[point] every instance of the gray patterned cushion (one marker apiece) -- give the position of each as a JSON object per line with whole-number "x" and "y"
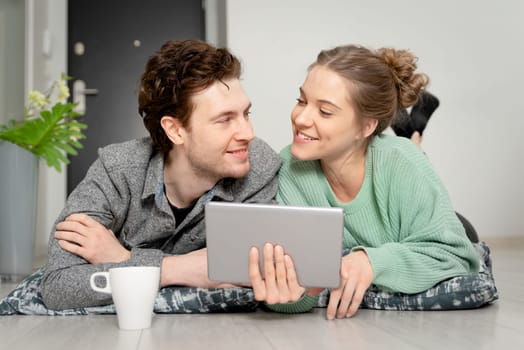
{"x": 26, "y": 299}
{"x": 462, "y": 292}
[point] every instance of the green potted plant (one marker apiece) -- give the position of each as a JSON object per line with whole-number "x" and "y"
{"x": 50, "y": 131}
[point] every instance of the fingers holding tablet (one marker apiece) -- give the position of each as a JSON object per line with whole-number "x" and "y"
{"x": 278, "y": 282}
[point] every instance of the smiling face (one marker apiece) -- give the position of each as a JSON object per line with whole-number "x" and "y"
{"x": 325, "y": 125}
{"x": 215, "y": 143}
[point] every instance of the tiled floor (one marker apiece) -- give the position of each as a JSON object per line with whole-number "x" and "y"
{"x": 494, "y": 327}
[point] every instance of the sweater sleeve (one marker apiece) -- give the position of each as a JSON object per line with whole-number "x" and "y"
{"x": 427, "y": 242}
{"x": 304, "y": 304}
{"x": 65, "y": 282}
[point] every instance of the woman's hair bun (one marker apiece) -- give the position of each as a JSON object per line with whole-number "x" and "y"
{"x": 403, "y": 65}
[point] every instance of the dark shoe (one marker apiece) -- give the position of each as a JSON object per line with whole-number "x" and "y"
{"x": 402, "y": 125}
{"x": 405, "y": 124}
{"x": 470, "y": 230}
{"x": 422, "y": 111}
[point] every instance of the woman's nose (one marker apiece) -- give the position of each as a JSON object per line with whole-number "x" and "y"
{"x": 302, "y": 116}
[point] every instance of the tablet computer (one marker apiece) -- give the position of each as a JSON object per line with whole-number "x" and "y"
{"x": 312, "y": 236}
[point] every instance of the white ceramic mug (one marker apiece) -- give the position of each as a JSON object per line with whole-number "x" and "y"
{"x": 134, "y": 290}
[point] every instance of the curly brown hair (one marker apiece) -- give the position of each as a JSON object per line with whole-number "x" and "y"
{"x": 381, "y": 82}
{"x": 172, "y": 75}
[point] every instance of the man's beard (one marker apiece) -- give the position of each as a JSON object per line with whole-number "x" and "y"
{"x": 214, "y": 171}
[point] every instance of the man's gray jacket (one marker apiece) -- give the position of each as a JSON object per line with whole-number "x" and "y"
{"x": 124, "y": 190}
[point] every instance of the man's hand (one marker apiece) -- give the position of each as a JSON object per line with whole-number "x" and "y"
{"x": 84, "y": 236}
{"x": 189, "y": 270}
{"x": 356, "y": 275}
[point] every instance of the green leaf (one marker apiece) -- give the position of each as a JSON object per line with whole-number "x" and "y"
{"x": 51, "y": 135}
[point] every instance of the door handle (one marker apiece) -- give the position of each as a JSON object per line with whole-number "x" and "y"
{"x": 79, "y": 95}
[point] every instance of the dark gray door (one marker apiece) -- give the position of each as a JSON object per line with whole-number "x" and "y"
{"x": 108, "y": 45}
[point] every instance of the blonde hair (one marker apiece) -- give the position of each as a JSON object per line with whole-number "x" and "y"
{"x": 380, "y": 82}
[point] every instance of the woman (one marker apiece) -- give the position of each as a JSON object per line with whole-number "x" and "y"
{"x": 400, "y": 227}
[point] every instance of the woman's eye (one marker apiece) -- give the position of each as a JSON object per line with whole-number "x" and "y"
{"x": 223, "y": 120}
{"x": 300, "y": 102}
{"x": 325, "y": 113}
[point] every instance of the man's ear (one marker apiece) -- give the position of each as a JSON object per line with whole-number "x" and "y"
{"x": 370, "y": 124}
{"x": 173, "y": 129}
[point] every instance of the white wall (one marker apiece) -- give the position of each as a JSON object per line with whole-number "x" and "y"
{"x": 11, "y": 60}
{"x": 46, "y": 41}
{"x": 23, "y": 67}
{"x": 473, "y": 50}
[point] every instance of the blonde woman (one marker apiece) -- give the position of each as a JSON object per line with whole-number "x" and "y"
{"x": 400, "y": 228}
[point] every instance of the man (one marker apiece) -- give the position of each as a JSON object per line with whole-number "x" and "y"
{"x": 142, "y": 201}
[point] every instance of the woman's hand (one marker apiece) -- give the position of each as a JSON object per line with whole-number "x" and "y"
{"x": 82, "y": 235}
{"x": 279, "y": 284}
{"x": 356, "y": 275}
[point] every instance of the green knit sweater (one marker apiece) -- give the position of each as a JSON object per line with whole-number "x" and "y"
{"x": 402, "y": 217}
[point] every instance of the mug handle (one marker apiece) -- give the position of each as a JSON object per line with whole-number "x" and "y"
{"x": 107, "y": 288}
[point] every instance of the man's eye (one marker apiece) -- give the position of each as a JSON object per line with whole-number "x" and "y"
{"x": 223, "y": 120}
